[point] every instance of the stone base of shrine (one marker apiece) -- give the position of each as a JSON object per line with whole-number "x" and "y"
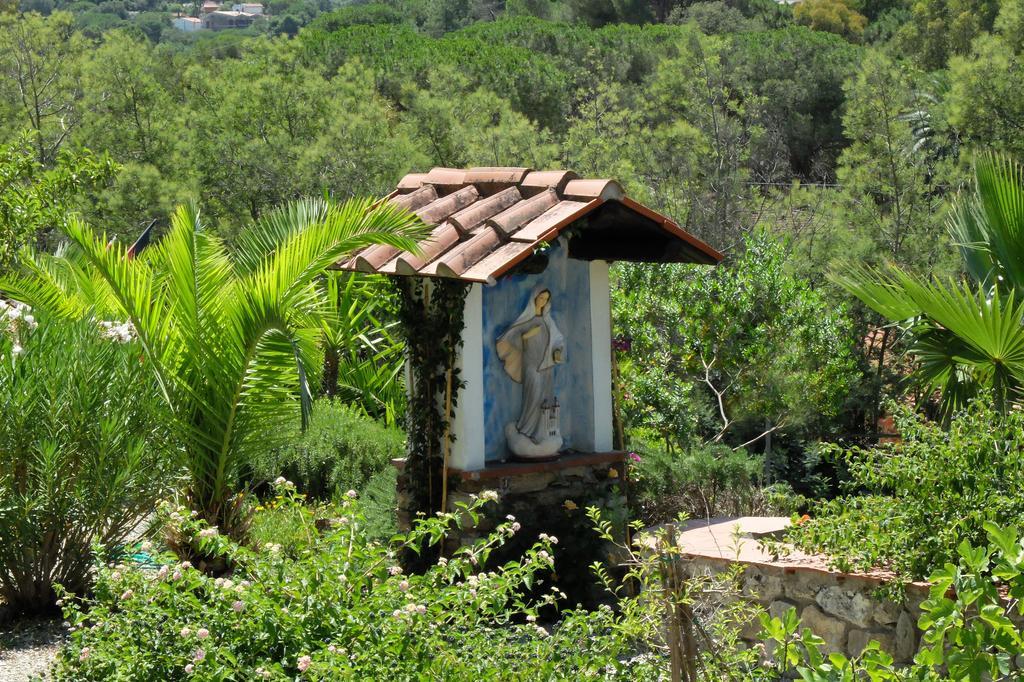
{"x": 544, "y": 497}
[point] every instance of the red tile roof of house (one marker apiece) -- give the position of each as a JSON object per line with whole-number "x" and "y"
{"x": 488, "y": 220}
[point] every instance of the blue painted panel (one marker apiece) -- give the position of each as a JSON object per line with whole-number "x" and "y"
{"x": 569, "y": 283}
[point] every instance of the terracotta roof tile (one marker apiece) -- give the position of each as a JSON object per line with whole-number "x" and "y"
{"x": 511, "y": 219}
{"x": 488, "y": 220}
{"x": 496, "y": 176}
{"x": 417, "y": 199}
{"x": 442, "y": 208}
{"x": 511, "y": 253}
{"x": 475, "y": 214}
{"x": 466, "y": 254}
{"x": 538, "y": 229}
{"x": 411, "y": 181}
{"x": 446, "y": 178}
{"x": 538, "y": 181}
{"x": 593, "y": 189}
{"x": 444, "y": 237}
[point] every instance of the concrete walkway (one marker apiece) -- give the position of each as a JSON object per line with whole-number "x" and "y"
{"x": 737, "y": 539}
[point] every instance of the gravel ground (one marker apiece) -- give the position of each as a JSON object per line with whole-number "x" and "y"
{"x": 27, "y": 647}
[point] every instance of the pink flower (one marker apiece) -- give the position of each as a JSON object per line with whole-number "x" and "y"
{"x": 394, "y": 570}
{"x": 189, "y": 668}
{"x": 126, "y": 595}
{"x": 85, "y": 653}
{"x": 202, "y": 633}
{"x": 208, "y": 533}
{"x": 635, "y": 457}
{"x": 304, "y": 663}
{"x": 185, "y": 632}
{"x": 404, "y": 586}
{"x": 199, "y": 655}
{"x": 238, "y": 606}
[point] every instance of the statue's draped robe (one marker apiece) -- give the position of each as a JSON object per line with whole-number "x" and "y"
{"x": 535, "y": 366}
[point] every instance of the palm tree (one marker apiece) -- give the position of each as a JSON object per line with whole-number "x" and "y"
{"x": 363, "y": 359}
{"x": 231, "y": 335}
{"x": 967, "y": 335}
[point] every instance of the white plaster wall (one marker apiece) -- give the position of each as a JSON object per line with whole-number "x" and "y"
{"x": 601, "y": 352}
{"x": 468, "y": 448}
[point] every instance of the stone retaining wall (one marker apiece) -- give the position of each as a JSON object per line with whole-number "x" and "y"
{"x": 843, "y": 609}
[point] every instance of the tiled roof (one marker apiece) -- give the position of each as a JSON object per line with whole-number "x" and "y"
{"x": 488, "y": 220}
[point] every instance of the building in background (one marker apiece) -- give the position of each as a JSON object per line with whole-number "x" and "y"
{"x": 221, "y": 20}
{"x": 253, "y": 8}
{"x": 187, "y": 24}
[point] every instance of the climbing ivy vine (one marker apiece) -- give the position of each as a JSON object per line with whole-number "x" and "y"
{"x": 431, "y": 316}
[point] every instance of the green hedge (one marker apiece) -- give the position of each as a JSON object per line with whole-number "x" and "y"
{"x": 341, "y": 450}
{"x": 701, "y": 482}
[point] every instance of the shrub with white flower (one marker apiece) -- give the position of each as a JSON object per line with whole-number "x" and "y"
{"x": 344, "y": 609}
{"x": 121, "y": 332}
{"x": 16, "y": 320}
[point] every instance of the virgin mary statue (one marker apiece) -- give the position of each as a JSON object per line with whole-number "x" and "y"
{"x": 529, "y": 351}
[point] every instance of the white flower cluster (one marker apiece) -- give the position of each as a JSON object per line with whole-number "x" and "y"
{"x": 14, "y": 317}
{"x": 122, "y": 332}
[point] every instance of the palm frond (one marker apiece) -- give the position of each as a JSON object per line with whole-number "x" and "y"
{"x": 882, "y": 291}
{"x": 132, "y": 285}
{"x": 1000, "y": 200}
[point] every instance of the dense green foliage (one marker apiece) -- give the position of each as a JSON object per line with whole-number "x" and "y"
{"x": 916, "y": 500}
{"x": 702, "y": 483}
{"x": 230, "y": 337}
{"x": 967, "y": 337}
{"x": 745, "y": 354}
{"x": 797, "y": 140}
{"x": 970, "y": 624}
{"x": 363, "y": 356}
{"x": 340, "y": 451}
{"x": 84, "y": 453}
{"x": 744, "y": 119}
{"x": 34, "y": 200}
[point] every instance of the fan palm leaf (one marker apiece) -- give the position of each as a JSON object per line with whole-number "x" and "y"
{"x": 967, "y": 334}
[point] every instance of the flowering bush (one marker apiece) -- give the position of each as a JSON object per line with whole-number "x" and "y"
{"x": 16, "y": 320}
{"x": 343, "y": 609}
{"x": 83, "y": 456}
